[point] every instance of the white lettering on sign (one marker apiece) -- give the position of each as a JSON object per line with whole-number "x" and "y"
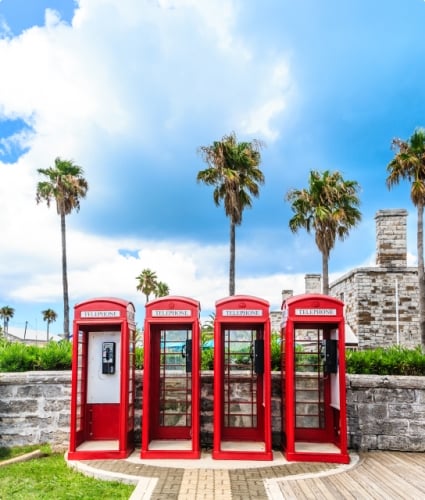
{"x": 171, "y": 313}
{"x": 100, "y": 314}
{"x": 242, "y": 312}
{"x": 315, "y": 312}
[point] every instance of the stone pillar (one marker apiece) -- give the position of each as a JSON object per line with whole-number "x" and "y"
{"x": 391, "y": 244}
{"x": 313, "y": 283}
{"x": 286, "y": 294}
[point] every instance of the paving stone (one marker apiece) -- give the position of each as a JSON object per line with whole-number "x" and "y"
{"x": 208, "y": 484}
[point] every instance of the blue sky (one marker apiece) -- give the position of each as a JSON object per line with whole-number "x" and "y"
{"x": 129, "y": 90}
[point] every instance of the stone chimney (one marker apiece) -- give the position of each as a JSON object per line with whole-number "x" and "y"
{"x": 391, "y": 244}
{"x": 286, "y": 294}
{"x": 313, "y": 283}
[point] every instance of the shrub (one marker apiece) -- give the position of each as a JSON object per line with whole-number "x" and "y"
{"x": 139, "y": 358}
{"x": 55, "y": 356}
{"x": 16, "y": 357}
{"x": 394, "y": 360}
{"x": 207, "y": 358}
{"x": 275, "y": 348}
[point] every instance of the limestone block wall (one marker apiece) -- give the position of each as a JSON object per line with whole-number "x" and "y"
{"x": 370, "y": 296}
{"x": 35, "y": 408}
{"x": 384, "y": 413}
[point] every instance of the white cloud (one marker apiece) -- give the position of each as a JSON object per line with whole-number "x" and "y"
{"x": 125, "y": 76}
{"x": 276, "y": 93}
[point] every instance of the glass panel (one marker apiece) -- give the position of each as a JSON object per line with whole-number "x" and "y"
{"x": 175, "y": 383}
{"x": 81, "y": 379}
{"x": 240, "y": 380}
{"x": 309, "y": 387}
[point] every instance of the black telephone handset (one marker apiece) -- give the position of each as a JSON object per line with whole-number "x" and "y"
{"x": 108, "y": 358}
{"x": 259, "y": 356}
{"x": 329, "y": 354}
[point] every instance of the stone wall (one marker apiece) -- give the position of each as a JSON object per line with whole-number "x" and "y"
{"x": 370, "y": 296}
{"x": 35, "y": 408}
{"x": 384, "y": 413}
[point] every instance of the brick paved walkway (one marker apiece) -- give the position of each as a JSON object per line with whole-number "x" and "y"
{"x": 371, "y": 476}
{"x": 226, "y": 480}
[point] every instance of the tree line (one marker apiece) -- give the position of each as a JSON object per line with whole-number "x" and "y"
{"x": 7, "y": 313}
{"x": 327, "y": 207}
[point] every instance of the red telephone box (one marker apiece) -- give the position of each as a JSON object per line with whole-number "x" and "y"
{"x": 103, "y": 385}
{"x": 314, "y": 414}
{"x": 171, "y": 381}
{"x": 242, "y": 379}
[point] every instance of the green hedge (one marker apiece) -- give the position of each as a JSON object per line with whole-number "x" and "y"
{"x": 17, "y": 357}
{"x": 394, "y": 360}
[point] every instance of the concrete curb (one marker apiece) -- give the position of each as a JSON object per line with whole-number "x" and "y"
{"x": 22, "y": 458}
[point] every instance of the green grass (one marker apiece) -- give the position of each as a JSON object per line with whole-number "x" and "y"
{"x": 49, "y": 478}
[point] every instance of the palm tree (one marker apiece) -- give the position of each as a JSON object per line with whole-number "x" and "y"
{"x": 66, "y": 185}
{"x": 147, "y": 283}
{"x": 233, "y": 170}
{"x": 207, "y": 329}
{"x": 50, "y": 316}
{"x": 162, "y": 289}
{"x": 409, "y": 164}
{"x": 329, "y": 208}
{"x": 6, "y": 313}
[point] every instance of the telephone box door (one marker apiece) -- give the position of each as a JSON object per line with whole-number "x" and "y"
{"x": 171, "y": 386}
{"x": 243, "y": 388}
{"x": 171, "y": 415}
{"x": 313, "y": 379}
{"x": 242, "y": 379}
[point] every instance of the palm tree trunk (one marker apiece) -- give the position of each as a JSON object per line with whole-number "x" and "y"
{"x": 421, "y": 275}
{"x": 325, "y": 273}
{"x": 64, "y": 280}
{"x": 232, "y": 258}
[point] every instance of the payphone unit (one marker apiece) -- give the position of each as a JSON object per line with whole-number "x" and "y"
{"x": 108, "y": 358}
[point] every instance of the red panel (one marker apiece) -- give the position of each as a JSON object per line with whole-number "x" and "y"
{"x": 103, "y": 421}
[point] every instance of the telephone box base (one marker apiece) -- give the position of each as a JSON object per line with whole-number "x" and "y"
{"x": 242, "y": 455}
{"x": 333, "y": 458}
{"x": 165, "y": 454}
{"x": 99, "y": 454}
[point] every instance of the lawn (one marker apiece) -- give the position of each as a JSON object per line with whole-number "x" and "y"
{"x": 49, "y": 477}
